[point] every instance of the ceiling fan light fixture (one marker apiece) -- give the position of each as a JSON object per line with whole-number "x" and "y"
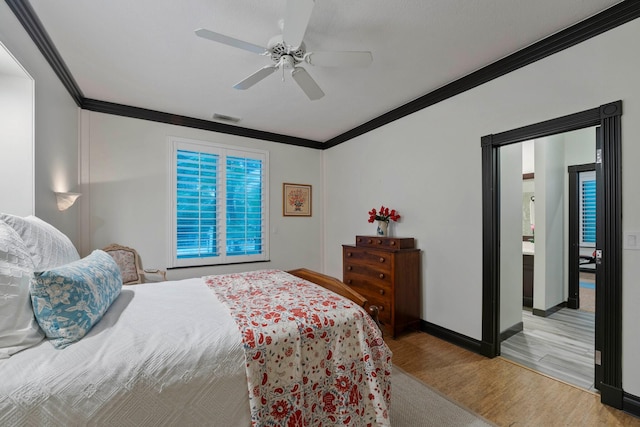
{"x": 288, "y": 62}
{"x": 288, "y": 51}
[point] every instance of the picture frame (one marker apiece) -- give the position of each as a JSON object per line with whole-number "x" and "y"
{"x": 296, "y": 199}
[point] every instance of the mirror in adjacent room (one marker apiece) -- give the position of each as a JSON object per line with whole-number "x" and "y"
{"x": 528, "y": 208}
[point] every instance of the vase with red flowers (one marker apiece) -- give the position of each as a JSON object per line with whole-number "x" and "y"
{"x": 383, "y": 216}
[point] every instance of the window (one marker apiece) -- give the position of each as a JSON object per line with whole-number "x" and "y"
{"x": 219, "y": 204}
{"x": 587, "y": 182}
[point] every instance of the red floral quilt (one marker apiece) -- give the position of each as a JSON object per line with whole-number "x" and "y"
{"x": 313, "y": 357}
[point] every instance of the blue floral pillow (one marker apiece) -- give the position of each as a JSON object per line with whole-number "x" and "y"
{"x": 70, "y": 299}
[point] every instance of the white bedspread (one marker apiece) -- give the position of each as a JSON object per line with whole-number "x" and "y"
{"x": 164, "y": 354}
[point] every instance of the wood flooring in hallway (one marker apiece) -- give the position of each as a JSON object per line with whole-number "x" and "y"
{"x": 560, "y": 345}
{"x": 499, "y": 390}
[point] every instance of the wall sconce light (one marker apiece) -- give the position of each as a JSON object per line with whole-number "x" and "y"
{"x": 66, "y": 200}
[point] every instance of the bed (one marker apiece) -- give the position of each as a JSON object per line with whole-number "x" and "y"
{"x": 265, "y": 348}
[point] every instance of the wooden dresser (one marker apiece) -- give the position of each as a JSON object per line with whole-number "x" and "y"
{"x": 386, "y": 271}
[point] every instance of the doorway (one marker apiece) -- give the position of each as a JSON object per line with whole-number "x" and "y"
{"x": 535, "y": 191}
{"x": 608, "y": 354}
{"x": 582, "y": 236}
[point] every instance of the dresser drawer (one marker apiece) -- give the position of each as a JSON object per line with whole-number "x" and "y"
{"x": 384, "y": 309}
{"x": 380, "y": 277}
{"x": 390, "y": 243}
{"x": 362, "y": 284}
{"x": 374, "y": 293}
{"x": 378, "y": 260}
{"x": 384, "y": 312}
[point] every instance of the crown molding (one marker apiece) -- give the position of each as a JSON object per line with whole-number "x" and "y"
{"x": 602, "y": 22}
{"x": 32, "y": 25}
{"x": 173, "y": 119}
{"x": 613, "y": 17}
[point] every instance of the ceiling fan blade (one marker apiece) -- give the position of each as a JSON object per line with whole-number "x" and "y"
{"x": 339, "y": 59}
{"x": 296, "y": 19}
{"x": 256, "y": 77}
{"x": 306, "y": 83}
{"x": 230, "y": 41}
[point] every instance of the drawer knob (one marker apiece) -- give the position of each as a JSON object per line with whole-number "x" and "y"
{"x": 381, "y": 291}
{"x": 379, "y": 241}
{"x": 393, "y": 242}
{"x": 349, "y": 268}
{"x": 369, "y": 241}
{"x": 348, "y": 253}
{"x": 381, "y": 275}
{"x": 381, "y": 259}
{"x": 349, "y": 281}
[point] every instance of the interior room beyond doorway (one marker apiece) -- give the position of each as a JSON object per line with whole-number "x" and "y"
{"x": 539, "y": 333}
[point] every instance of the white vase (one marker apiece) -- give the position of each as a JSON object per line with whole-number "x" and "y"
{"x": 383, "y": 228}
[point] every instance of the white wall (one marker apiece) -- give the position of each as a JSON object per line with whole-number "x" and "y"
{"x": 528, "y": 157}
{"x": 55, "y": 128}
{"x": 16, "y": 137}
{"x": 511, "y": 286}
{"x": 579, "y": 149}
{"x": 125, "y": 169}
{"x": 428, "y": 166}
{"x": 580, "y": 146}
{"x": 548, "y": 266}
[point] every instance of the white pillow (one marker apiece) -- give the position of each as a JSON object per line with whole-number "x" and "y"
{"x": 18, "y": 326}
{"x": 48, "y": 246}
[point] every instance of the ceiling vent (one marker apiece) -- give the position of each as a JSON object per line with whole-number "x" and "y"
{"x": 225, "y": 118}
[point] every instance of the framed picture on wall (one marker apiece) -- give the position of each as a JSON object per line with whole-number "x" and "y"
{"x": 296, "y": 199}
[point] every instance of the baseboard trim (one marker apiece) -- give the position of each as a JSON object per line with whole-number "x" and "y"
{"x": 452, "y": 337}
{"x": 549, "y": 311}
{"x": 610, "y": 395}
{"x": 631, "y": 404}
{"x": 508, "y": 333}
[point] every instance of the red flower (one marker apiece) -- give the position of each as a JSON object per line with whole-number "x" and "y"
{"x": 372, "y": 215}
{"x": 343, "y": 383}
{"x": 249, "y": 338}
{"x": 280, "y": 409}
{"x": 384, "y": 215}
{"x": 328, "y": 399}
{"x": 296, "y": 419}
{"x": 354, "y": 397}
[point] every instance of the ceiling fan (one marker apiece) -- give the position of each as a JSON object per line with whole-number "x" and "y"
{"x": 288, "y": 51}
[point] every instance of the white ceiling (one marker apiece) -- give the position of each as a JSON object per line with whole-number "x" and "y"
{"x": 144, "y": 53}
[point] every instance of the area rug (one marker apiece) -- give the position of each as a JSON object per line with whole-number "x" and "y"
{"x": 414, "y": 403}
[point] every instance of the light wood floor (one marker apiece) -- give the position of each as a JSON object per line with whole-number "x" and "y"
{"x": 499, "y": 390}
